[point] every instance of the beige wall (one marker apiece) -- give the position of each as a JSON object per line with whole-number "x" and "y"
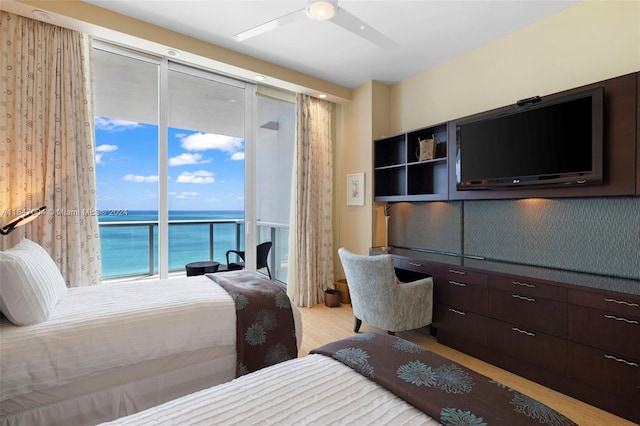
{"x": 354, "y": 156}
{"x": 381, "y": 125}
{"x": 585, "y": 43}
{"x": 365, "y": 118}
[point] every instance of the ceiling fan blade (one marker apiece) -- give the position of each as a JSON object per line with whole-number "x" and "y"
{"x": 357, "y": 26}
{"x": 271, "y": 25}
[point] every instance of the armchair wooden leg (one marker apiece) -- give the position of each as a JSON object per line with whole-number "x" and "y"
{"x": 357, "y": 325}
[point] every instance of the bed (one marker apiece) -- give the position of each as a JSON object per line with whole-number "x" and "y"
{"x": 110, "y": 350}
{"x": 366, "y": 379}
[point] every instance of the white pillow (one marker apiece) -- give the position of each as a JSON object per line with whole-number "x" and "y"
{"x": 30, "y": 283}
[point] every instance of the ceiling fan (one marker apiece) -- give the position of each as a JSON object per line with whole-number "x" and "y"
{"x": 324, "y": 10}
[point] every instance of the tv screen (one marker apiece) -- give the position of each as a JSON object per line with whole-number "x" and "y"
{"x": 553, "y": 142}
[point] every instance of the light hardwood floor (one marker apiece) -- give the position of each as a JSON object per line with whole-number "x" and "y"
{"x": 322, "y": 325}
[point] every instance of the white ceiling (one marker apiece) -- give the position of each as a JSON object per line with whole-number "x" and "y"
{"x": 428, "y": 32}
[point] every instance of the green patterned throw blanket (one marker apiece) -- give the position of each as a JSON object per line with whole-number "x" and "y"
{"x": 265, "y": 329}
{"x": 441, "y": 388}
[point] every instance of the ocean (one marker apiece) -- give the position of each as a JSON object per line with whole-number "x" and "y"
{"x": 125, "y": 249}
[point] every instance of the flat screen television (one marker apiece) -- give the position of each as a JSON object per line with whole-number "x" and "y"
{"x": 552, "y": 142}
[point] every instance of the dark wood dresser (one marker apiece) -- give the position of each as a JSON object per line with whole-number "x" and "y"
{"x": 573, "y": 332}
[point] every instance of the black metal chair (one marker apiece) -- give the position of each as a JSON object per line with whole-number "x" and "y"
{"x": 261, "y": 258}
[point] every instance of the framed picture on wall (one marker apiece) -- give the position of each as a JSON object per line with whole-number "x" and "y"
{"x": 355, "y": 189}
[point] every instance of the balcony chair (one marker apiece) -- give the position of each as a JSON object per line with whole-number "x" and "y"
{"x": 380, "y": 300}
{"x": 261, "y": 258}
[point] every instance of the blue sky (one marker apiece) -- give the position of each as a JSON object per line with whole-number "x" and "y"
{"x": 206, "y": 171}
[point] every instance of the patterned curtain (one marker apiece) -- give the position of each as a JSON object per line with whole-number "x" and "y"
{"x": 311, "y": 232}
{"x": 47, "y": 143}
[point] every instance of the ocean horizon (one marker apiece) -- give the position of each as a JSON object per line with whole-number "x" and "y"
{"x": 125, "y": 249}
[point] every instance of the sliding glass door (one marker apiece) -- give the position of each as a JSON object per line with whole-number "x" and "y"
{"x": 126, "y": 129}
{"x": 274, "y": 151}
{"x": 171, "y": 147}
{"x": 206, "y": 166}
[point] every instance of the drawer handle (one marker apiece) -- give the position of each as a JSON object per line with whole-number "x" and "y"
{"x": 523, "y": 332}
{"x": 454, "y": 271}
{"x": 457, "y": 283}
{"x": 621, "y": 302}
{"x": 528, "y": 299}
{"x": 632, "y": 364}
{"x": 621, "y": 319}
{"x": 415, "y": 264}
{"x": 456, "y": 311}
{"x": 520, "y": 283}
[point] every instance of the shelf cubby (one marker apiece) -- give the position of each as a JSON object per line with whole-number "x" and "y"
{"x": 399, "y": 175}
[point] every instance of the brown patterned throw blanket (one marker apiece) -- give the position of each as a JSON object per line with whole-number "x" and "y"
{"x": 265, "y": 329}
{"x": 441, "y": 388}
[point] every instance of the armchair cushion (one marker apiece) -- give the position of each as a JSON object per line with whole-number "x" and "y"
{"x": 378, "y": 300}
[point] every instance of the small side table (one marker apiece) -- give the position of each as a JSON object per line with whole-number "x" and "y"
{"x": 201, "y": 268}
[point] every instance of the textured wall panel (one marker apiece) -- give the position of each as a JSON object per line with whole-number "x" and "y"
{"x": 595, "y": 235}
{"x": 430, "y": 226}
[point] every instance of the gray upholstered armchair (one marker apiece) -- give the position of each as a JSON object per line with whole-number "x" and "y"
{"x": 378, "y": 299}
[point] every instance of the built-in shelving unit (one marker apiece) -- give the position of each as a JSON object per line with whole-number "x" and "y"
{"x": 400, "y": 176}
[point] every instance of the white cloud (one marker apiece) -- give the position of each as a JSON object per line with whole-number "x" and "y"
{"x": 183, "y": 159}
{"x": 205, "y": 141}
{"x": 201, "y": 176}
{"x": 105, "y": 123}
{"x": 238, "y": 156}
{"x": 106, "y": 148}
{"x": 141, "y": 179}
{"x": 101, "y": 149}
{"x": 185, "y": 195}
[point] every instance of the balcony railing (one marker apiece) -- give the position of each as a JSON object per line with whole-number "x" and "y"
{"x": 129, "y": 249}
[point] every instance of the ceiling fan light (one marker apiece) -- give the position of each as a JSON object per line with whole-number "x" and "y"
{"x": 321, "y": 10}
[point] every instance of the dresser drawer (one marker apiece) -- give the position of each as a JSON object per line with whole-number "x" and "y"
{"x": 544, "y": 315}
{"x": 462, "y": 275}
{"x": 614, "y": 303}
{"x": 412, "y": 265}
{"x": 604, "y": 370}
{"x": 529, "y": 288}
{"x": 605, "y": 330}
{"x": 460, "y": 294}
{"x": 462, "y": 324}
{"x": 527, "y": 345}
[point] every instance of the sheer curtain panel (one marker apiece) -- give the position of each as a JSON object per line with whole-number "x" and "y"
{"x": 311, "y": 232}
{"x": 47, "y": 143}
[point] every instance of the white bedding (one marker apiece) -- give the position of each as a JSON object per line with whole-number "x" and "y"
{"x": 180, "y": 337}
{"x": 313, "y": 390}
{"x": 159, "y": 319}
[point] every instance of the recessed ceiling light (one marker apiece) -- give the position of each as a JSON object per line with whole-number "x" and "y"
{"x": 41, "y": 14}
{"x": 260, "y": 77}
{"x": 172, "y": 52}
